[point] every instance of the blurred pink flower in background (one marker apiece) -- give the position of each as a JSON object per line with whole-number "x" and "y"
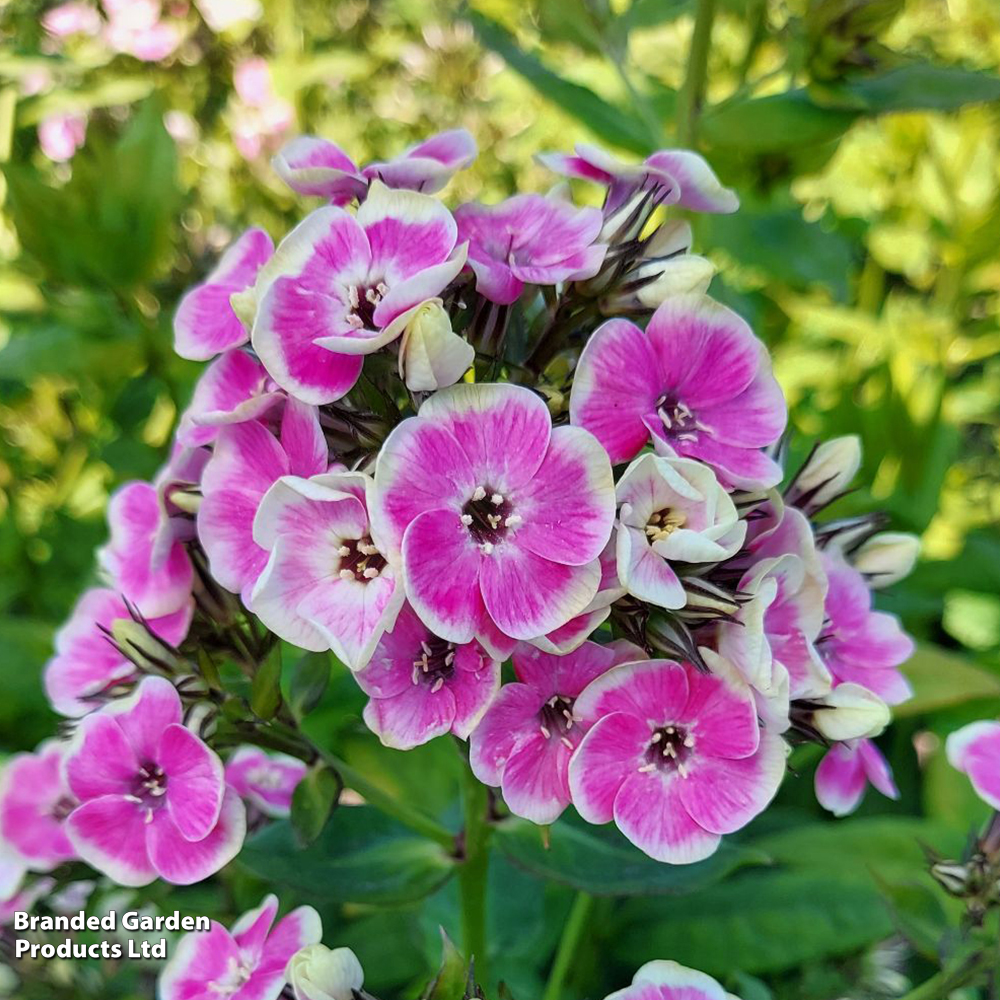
{"x": 72, "y": 18}
{"x": 61, "y": 135}
{"x": 262, "y": 118}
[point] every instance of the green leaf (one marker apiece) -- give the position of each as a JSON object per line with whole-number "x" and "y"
{"x": 612, "y": 124}
{"x": 756, "y": 923}
{"x": 360, "y": 857}
{"x": 110, "y": 225}
{"x": 308, "y": 683}
{"x": 941, "y": 680}
{"x": 313, "y": 802}
{"x": 858, "y": 849}
{"x": 924, "y": 87}
{"x": 776, "y": 123}
{"x": 449, "y": 983}
{"x": 265, "y": 689}
{"x": 599, "y": 860}
{"x": 116, "y": 91}
{"x": 761, "y": 240}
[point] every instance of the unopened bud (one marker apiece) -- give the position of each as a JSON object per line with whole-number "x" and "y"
{"x": 319, "y": 973}
{"x": 886, "y": 557}
{"x": 827, "y": 473}
{"x": 850, "y": 712}
{"x": 244, "y": 304}
{"x": 143, "y": 648}
{"x": 651, "y": 284}
{"x": 431, "y": 354}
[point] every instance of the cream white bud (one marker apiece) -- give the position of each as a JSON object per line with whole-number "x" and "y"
{"x": 827, "y": 473}
{"x": 886, "y": 557}
{"x": 431, "y": 354}
{"x": 319, "y": 973}
{"x": 851, "y": 712}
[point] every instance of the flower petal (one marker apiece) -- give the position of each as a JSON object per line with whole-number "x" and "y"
{"x": 615, "y": 384}
{"x": 527, "y": 595}
{"x": 109, "y": 833}
{"x": 184, "y": 862}
{"x": 568, "y": 506}
{"x": 610, "y": 752}
{"x": 195, "y": 782}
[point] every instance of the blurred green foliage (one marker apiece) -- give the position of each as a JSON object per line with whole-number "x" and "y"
{"x": 862, "y": 137}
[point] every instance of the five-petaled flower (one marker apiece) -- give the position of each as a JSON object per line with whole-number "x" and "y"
{"x": 667, "y": 980}
{"x": 246, "y": 963}
{"x": 34, "y": 804}
{"x": 337, "y": 282}
{"x": 266, "y": 781}
{"x": 675, "y": 757}
{"x": 975, "y": 750}
{"x": 496, "y": 518}
{"x": 529, "y": 239}
{"x": 327, "y": 584}
{"x": 153, "y": 798}
{"x": 697, "y": 383}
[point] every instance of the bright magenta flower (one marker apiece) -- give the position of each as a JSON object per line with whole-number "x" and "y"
{"x": 676, "y": 757}
{"x": 246, "y": 963}
{"x": 153, "y": 799}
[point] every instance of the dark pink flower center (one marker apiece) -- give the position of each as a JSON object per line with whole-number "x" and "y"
{"x": 435, "y": 663}
{"x": 489, "y": 516}
{"x": 669, "y": 749}
{"x": 359, "y": 559}
{"x": 678, "y": 421}
{"x": 363, "y": 300}
{"x": 556, "y": 718}
{"x": 62, "y": 807}
{"x": 149, "y": 788}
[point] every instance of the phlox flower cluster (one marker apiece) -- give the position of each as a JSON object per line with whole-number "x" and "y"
{"x": 436, "y": 440}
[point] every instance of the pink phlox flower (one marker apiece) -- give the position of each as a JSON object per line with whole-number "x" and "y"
{"x": 858, "y": 644}
{"x": 495, "y": 517}
{"x": 136, "y": 28}
{"x": 526, "y": 739}
{"x": 265, "y": 780}
{"x": 845, "y": 772}
{"x": 697, "y": 383}
{"x": 673, "y": 513}
{"x": 529, "y": 239}
{"x": 61, "y": 135}
{"x": 691, "y": 181}
{"x": 145, "y": 559}
{"x": 72, "y": 18}
{"x": 260, "y": 117}
{"x": 314, "y": 166}
{"x": 326, "y": 584}
{"x": 234, "y": 388}
{"x": 34, "y": 804}
{"x": 675, "y": 756}
{"x": 666, "y": 980}
{"x": 340, "y": 286}
{"x": 246, "y": 963}
{"x": 975, "y": 750}
{"x": 422, "y": 686}
{"x": 153, "y": 798}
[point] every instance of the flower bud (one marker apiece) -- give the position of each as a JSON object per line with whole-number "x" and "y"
{"x": 850, "y": 712}
{"x": 244, "y": 304}
{"x": 431, "y": 354}
{"x": 671, "y": 238}
{"x": 827, "y": 473}
{"x": 651, "y": 284}
{"x": 319, "y": 973}
{"x": 143, "y": 648}
{"x": 886, "y": 557}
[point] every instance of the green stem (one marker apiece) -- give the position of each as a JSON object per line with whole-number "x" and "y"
{"x": 472, "y": 874}
{"x": 568, "y": 944}
{"x": 946, "y": 980}
{"x": 692, "y": 94}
